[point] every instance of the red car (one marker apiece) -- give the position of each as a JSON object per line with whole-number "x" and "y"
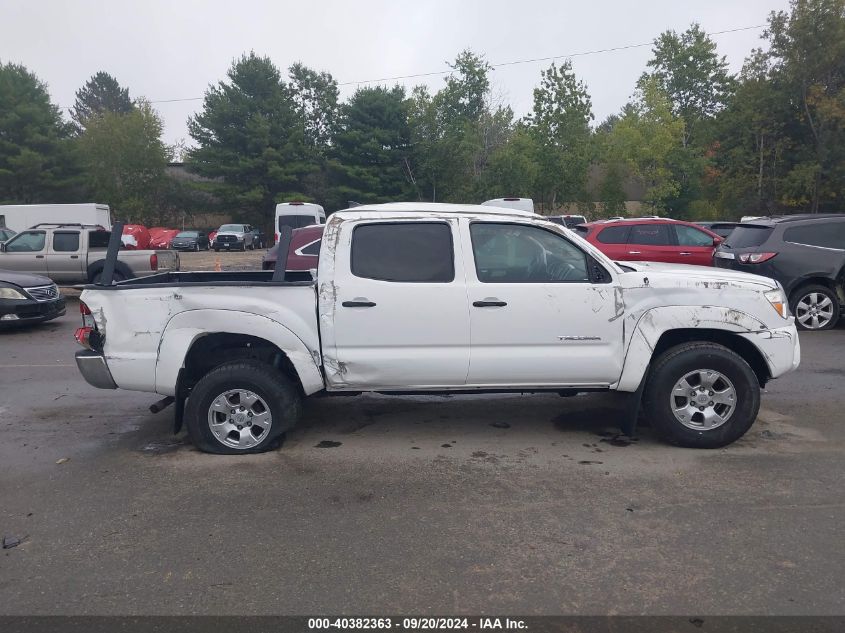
{"x": 303, "y": 252}
{"x": 652, "y": 240}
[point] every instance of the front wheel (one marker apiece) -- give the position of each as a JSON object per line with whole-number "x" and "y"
{"x": 241, "y": 407}
{"x": 701, "y": 395}
{"x": 815, "y": 307}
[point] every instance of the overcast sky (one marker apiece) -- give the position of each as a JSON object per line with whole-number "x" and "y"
{"x": 173, "y": 49}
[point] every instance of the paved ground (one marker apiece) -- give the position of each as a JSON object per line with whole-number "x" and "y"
{"x": 424, "y": 504}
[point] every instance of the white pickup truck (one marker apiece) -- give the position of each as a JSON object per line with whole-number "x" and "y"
{"x": 414, "y": 297}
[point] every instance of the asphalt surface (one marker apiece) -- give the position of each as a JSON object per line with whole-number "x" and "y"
{"x": 435, "y": 505}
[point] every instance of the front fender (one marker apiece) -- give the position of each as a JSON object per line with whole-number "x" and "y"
{"x": 652, "y": 324}
{"x": 185, "y": 328}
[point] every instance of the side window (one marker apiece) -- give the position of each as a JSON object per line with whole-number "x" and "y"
{"x": 688, "y": 236}
{"x": 614, "y": 235}
{"x": 650, "y": 235}
{"x": 826, "y": 234}
{"x": 27, "y": 242}
{"x": 404, "y": 252}
{"x": 66, "y": 241}
{"x": 311, "y": 249}
{"x": 519, "y": 253}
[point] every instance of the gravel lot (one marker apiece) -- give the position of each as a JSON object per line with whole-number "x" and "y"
{"x": 463, "y": 504}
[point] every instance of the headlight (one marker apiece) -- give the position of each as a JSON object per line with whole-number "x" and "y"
{"x": 778, "y": 300}
{"x": 11, "y": 293}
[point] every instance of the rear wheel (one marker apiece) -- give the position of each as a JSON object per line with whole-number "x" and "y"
{"x": 98, "y": 277}
{"x": 815, "y": 307}
{"x": 701, "y": 395}
{"x": 241, "y": 407}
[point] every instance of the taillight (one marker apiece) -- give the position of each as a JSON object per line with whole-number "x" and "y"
{"x": 87, "y": 317}
{"x": 83, "y": 336}
{"x": 84, "y": 310}
{"x": 277, "y": 238}
{"x": 154, "y": 261}
{"x": 755, "y": 258}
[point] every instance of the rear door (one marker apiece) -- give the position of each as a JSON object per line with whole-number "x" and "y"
{"x": 400, "y": 315}
{"x": 26, "y": 253}
{"x": 694, "y": 245}
{"x": 63, "y": 257}
{"x": 652, "y": 242}
{"x": 536, "y": 317}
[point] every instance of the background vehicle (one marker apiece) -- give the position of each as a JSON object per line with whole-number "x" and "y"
{"x": 722, "y": 229}
{"x": 5, "y": 234}
{"x": 234, "y": 237}
{"x": 190, "y": 241}
{"x": 258, "y": 238}
{"x": 22, "y": 216}
{"x": 521, "y": 204}
{"x": 28, "y": 299}
{"x": 75, "y": 253}
{"x": 652, "y": 240}
{"x": 298, "y": 214}
{"x": 303, "y": 252}
{"x": 569, "y": 221}
{"x": 805, "y": 253}
{"x": 436, "y": 298}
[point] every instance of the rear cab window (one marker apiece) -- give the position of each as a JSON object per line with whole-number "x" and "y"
{"x": 416, "y": 252}
{"x": 66, "y": 241}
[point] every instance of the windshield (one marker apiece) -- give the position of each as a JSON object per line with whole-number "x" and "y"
{"x": 747, "y": 235}
{"x": 232, "y": 228}
{"x": 296, "y": 221}
{"x": 187, "y": 234}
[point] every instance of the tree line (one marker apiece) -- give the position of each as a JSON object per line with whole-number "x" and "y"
{"x": 699, "y": 142}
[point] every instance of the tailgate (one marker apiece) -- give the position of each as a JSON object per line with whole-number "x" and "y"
{"x": 167, "y": 261}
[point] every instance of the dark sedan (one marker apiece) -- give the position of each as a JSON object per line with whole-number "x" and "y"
{"x": 26, "y": 298}
{"x": 190, "y": 241}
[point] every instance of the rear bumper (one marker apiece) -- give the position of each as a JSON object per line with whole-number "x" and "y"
{"x": 93, "y": 367}
{"x": 780, "y": 348}
{"x": 18, "y": 312}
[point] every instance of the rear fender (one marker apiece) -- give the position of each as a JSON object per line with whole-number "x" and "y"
{"x": 186, "y": 327}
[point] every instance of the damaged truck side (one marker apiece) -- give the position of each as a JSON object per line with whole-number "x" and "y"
{"x": 432, "y": 298}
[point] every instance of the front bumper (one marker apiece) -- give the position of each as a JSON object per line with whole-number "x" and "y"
{"x": 18, "y": 312}
{"x": 780, "y": 348}
{"x": 93, "y": 367}
{"x": 183, "y": 246}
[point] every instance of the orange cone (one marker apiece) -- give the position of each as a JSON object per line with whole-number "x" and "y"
{"x": 217, "y": 266}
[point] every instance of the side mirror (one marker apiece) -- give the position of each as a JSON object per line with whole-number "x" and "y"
{"x": 717, "y": 241}
{"x": 2, "y": 247}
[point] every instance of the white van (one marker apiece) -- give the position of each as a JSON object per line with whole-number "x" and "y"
{"x": 298, "y": 214}
{"x": 20, "y": 217}
{"x": 523, "y": 204}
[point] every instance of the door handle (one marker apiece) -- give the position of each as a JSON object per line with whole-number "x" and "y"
{"x": 74, "y": 256}
{"x": 495, "y": 303}
{"x": 634, "y": 253}
{"x": 684, "y": 253}
{"x": 358, "y": 304}
{"x": 39, "y": 257}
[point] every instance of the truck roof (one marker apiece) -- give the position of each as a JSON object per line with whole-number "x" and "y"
{"x": 439, "y": 207}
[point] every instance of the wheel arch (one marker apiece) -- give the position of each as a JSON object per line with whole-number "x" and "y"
{"x": 196, "y": 341}
{"x": 661, "y": 328}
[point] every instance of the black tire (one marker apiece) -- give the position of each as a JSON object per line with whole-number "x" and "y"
{"x": 216, "y": 250}
{"x": 673, "y": 365}
{"x": 276, "y": 389}
{"x": 197, "y": 247}
{"x": 806, "y": 293}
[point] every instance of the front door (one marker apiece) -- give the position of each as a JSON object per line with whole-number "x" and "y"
{"x": 26, "y": 253}
{"x": 400, "y": 316}
{"x": 696, "y": 247}
{"x": 536, "y": 318}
